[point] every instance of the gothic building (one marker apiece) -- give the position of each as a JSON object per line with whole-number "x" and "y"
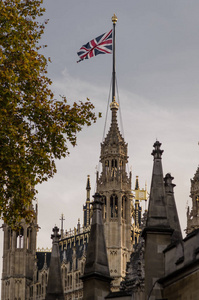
{"x": 24, "y": 279}
{"x": 159, "y": 265}
{"x": 19, "y": 251}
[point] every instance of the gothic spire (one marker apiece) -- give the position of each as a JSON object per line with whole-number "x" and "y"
{"x": 136, "y": 183}
{"x": 86, "y": 207}
{"x": 157, "y": 214}
{"x": 54, "y": 287}
{"x": 88, "y": 185}
{"x": 96, "y": 259}
{"x": 96, "y": 278}
{"x": 114, "y": 130}
{"x": 171, "y": 209}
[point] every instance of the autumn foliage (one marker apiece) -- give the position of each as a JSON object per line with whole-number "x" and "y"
{"x": 35, "y": 129}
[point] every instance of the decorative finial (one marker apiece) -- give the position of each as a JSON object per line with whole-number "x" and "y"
{"x": 114, "y": 104}
{"x": 55, "y": 236}
{"x": 157, "y": 152}
{"x": 114, "y": 19}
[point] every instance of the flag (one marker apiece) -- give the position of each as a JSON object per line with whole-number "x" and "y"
{"x": 100, "y": 45}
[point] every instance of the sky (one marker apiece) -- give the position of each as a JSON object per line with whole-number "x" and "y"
{"x": 157, "y": 70}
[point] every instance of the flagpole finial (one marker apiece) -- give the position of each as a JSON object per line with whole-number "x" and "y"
{"x": 114, "y": 19}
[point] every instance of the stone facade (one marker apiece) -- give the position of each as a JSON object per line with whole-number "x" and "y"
{"x": 114, "y": 184}
{"x": 18, "y": 261}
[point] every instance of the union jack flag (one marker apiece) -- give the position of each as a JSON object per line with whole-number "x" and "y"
{"x": 100, "y": 45}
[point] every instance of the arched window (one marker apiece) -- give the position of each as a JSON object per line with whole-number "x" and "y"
{"x": 20, "y": 238}
{"x": 104, "y": 207}
{"x": 29, "y": 235}
{"x": 124, "y": 201}
{"x": 114, "y": 163}
{"x": 114, "y": 206}
{"x": 9, "y": 238}
{"x": 113, "y": 167}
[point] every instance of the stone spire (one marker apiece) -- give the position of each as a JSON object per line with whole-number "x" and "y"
{"x": 54, "y": 287}
{"x": 114, "y": 136}
{"x": 137, "y": 184}
{"x": 157, "y": 233}
{"x": 86, "y": 207}
{"x": 114, "y": 156}
{"x": 171, "y": 209}
{"x": 88, "y": 186}
{"x": 193, "y": 215}
{"x": 96, "y": 278}
{"x": 157, "y": 214}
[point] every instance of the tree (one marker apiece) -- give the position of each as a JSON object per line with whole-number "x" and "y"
{"x": 35, "y": 128}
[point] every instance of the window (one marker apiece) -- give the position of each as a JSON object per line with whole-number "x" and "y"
{"x": 124, "y": 200}
{"x": 114, "y": 206}
{"x": 20, "y": 238}
{"x": 29, "y": 234}
{"x": 113, "y": 167}
{"x": 104, "y": 207}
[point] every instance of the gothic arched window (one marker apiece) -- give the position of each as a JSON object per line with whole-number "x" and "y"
{"x": 20, "y": 238}
{"x": 9, "y": 238}
{"x": 104, "y": 207}
{"x": 113, "y": 167}
{"x": 114, "y": 206}
{"x": 29, "y": 236}
{"x": 124, "y": 201}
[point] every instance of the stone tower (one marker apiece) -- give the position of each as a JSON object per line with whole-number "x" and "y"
{"x": 114, "y": 184}
{"x": 193, "y": 215}
{"x": 19, "y": 253}
{"x": 157, "y": 233}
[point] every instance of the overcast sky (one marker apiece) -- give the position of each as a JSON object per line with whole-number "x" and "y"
{"x": 157, "y": 69}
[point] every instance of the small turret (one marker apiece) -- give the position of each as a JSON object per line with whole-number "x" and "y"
{"x": 86, "y": 207}
{"x": 157, "y": 214}
{"x": 54, "y": 287}
{"x": 62, "y": 225}
{"x": 136, "y": 183}
{"x": 96, "y": 278}
{"x": 88, "y": 187}
{"x": 171, "y": 209}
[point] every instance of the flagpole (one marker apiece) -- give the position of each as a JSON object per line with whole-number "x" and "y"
{"x": 114, "y": 20}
